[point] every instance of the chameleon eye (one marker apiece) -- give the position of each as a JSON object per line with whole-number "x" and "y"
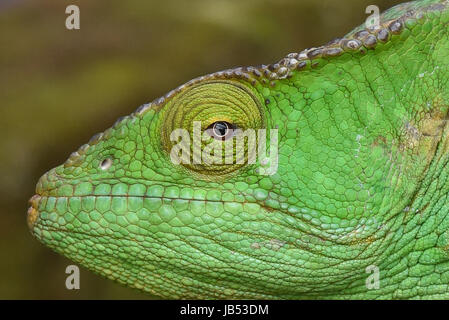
{"x": 221, "y": 130}
{"x": 218, "y": 110}
{"x": 106, "y": 164}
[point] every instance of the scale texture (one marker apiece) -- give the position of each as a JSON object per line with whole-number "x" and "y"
{"x": 362, "y": 178}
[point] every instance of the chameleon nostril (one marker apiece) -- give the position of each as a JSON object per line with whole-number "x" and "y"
{"x": 106, "y": 164}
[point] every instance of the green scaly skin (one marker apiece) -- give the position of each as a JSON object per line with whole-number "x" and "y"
{"x": 362, "y": 178}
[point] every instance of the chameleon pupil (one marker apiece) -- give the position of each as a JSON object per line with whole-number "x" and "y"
{"x": 221, "y": 129}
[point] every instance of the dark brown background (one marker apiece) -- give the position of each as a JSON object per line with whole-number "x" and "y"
{"x": 59, "y": 87}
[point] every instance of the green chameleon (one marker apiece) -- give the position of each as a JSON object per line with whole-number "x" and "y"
{"x": 357, "y": 203}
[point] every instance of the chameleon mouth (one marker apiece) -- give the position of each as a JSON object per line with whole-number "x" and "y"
{"x": 33, "y": 212}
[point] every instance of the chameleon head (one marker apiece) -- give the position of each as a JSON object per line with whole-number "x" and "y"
{"x": 143, "y": 204}
{"x": 123, "y": 206}
{"x": 360, "y": 183}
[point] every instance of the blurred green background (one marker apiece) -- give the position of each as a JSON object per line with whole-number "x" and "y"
{"x": 58, "y": 87}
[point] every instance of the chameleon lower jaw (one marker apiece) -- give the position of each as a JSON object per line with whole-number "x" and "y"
{"x": 33, "y": 212}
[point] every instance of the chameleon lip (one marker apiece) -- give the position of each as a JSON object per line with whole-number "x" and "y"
{"x": 33, "y": 212}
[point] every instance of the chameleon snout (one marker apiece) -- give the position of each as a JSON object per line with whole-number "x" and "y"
{"x": 33, "y": 212}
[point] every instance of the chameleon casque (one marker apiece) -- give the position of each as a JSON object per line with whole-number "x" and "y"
{"x": 361, "y": 181}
